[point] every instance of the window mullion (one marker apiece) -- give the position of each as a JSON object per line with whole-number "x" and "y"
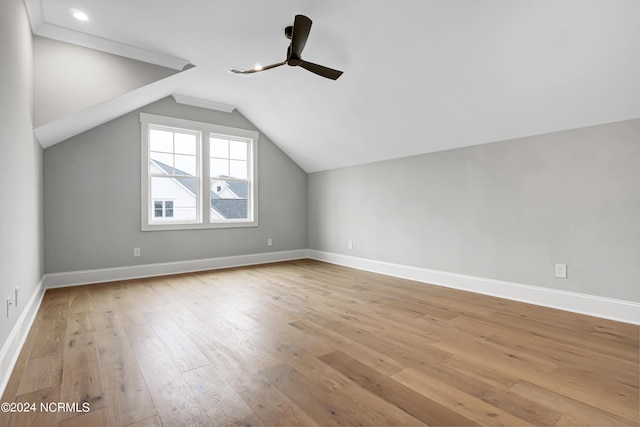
{"x": 199, "y": 178}
{"x": 205, "y": 150}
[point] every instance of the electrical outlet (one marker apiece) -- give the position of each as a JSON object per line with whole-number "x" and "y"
{"x": 269, "y": 242}
{"x": 561, "y": 271}
{"x": 136, "y": 252}
{"x": 350, "y": 244}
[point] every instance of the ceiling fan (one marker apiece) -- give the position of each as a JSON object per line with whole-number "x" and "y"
{"x": 298, "y": 34}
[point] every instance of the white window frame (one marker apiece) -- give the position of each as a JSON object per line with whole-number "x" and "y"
{"x": 204, "y": 220}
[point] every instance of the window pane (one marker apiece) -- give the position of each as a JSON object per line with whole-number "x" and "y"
{"x": 238, "y": 169}
{"x": 168, "y": 204}
{"x": 164, "y": 163}
{"x": 219, "y": 147}
{"x": 219, "y": 167}
{"x": 238, "y": 150}
{"x": 230, "y": 202}
{"x": 158, "y": 213}
{"x": 185, "y": 165}
{"x": 157, "y": 204}
{"x": 181, "y": 191}
{"x": 160, "y": 140}
{"x": 185, "y": 143}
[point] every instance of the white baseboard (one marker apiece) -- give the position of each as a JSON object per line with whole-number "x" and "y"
{"x": 13, "y": 345}
{"x": 85, "y": 277}
{"x": 607, "y": 308}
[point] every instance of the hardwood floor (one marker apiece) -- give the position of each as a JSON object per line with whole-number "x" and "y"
{"x": 308, "y": 343}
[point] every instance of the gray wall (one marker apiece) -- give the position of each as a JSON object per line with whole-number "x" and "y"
{"x": 21, "y": 257}
{"x": 92, "y": 200}
{"x": 69, "y": 78}
{"x": 508, "y": 210}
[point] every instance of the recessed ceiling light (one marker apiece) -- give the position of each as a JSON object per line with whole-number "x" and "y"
{"x": 80, "y": 16}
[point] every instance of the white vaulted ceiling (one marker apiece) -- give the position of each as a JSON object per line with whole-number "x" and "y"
{"x": 419, "y": 76}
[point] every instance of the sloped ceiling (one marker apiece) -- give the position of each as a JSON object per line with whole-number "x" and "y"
{"x": 419, "y": 75}
{"x": 95, "y": 77}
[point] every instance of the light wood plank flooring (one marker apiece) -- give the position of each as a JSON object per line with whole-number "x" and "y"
{"x": 306, "y": 343}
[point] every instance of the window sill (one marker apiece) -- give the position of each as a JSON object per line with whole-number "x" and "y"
{"x": 215, "y": 225}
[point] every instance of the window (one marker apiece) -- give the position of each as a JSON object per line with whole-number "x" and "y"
{"x": 174, "y": 174}
{"x": 197, "y": 175}
{"x": 229, "y": 167}
{"x": 163, "y": 208}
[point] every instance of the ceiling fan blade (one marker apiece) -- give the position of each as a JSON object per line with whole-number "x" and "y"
{"x": 321, "y": 70}
{"x": 257, "y": 69}
{"x": 301, "y": 28}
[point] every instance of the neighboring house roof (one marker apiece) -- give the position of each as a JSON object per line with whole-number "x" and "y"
{"x": 230, "y": 208}
{"x": 235, "y": 208}
{"x": 238, "y": 188}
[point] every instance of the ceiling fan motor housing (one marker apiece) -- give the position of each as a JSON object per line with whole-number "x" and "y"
{"x": 288, "y": 32}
